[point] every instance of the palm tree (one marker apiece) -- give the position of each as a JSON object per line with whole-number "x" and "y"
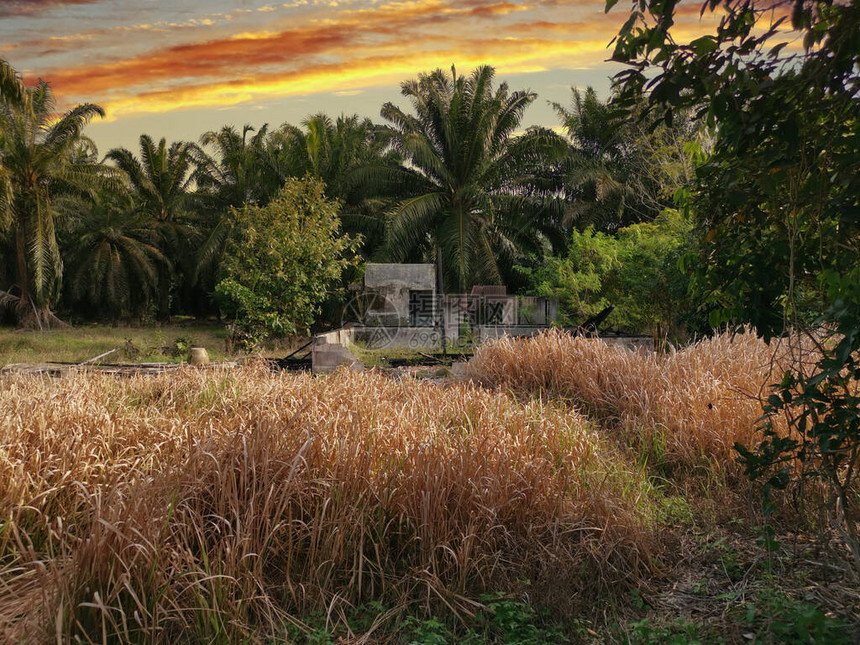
{"x": 597, "y": 169}
{"x": 159, "y": 183}
{"x": 12, "y": 90}
{"x": 40, "y": 160}
{"x": 353, "y": 156}
{"x": 624, "y": 167}
{"x": 328, "y": 149}
{"x": 114, "y": 258}
{"x": 474, "y": 202}
{"x": 232, "y": 176}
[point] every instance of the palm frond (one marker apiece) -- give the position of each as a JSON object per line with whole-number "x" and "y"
{"x": 71, "y": 124}
{"x": 12, "y": 90}
{"x": 409, "y": 223}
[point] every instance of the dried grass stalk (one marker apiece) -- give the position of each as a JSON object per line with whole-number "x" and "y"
{"x": 209, "y": 505}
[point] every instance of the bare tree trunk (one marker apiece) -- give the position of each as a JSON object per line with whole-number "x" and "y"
{"x": 163, "y": 303}
{"x": 440, "y": 297}
{"x": 28, "y": 313}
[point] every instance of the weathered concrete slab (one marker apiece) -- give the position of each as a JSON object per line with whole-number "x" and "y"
{"x": 403, "y": 294}
{"x": 420, "y": 277}
{"x": 329, "y": 352}
{"x": 408, "y": 337}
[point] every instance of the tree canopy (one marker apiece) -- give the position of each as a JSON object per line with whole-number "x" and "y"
{"x": 473, "y": 205}
{"x": 783, "y": 181}
{"x": 40, "y": 161}
{"x": 282, "y": 260}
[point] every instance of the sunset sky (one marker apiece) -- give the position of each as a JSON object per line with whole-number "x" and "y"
{"x": 176, "y": 68}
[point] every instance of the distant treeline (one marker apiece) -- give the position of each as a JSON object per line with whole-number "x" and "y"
{"x": 588, "y": 214}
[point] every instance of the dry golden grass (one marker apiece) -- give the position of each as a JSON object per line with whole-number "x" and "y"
{"x": 216, "y": 506}
{"x": 683, "y": 410}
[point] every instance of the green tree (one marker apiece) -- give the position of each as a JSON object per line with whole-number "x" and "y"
{"x": 783, "y": 180}
{"x": 113, "y": 259}
{"x": 636, "y": 270}
{"x": 778, "y": 206}
{"x": 233, "y": 175}
{"x": 623, "y": 168}
{"x": 40, "y": 160}
{"x": 353, "y": 157}
{"x": 283, "y": 259}
{"x": 159, "y": 183}
{"x": 578, "y": 279}
{"x": 474, "y": 205}
{"x": 230, "y": 177}
{"x": 12, "y": 90}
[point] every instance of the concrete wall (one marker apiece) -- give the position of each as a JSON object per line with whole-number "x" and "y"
{"x": 536, "y": 310}
{"x": 479, "y": 310}
{"x": 392, "y": 284}
{"x": 407, "y": 337}
{"x": 329, "y": 351}
{"x": 413, "y": 276}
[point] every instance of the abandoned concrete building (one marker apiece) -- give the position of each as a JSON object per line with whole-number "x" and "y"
{"x": 399, "y": 305}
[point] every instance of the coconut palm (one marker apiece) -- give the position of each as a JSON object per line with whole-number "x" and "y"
{"x": 40, "y": 160}
{"x": 329, "y": 149}
{"x": 159, "y": 184}
{"x": 231, "y": 176}
{"x": 474, "y": 205}
{"x": 12, "y": 92}
{"x": 598, "y": 166}
{"x": 113, "y": 258}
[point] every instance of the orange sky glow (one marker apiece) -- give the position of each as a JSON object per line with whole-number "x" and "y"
{"x": 177, "y": 68}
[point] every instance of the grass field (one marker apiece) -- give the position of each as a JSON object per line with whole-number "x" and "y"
{"x": 133, "y": 344}
{"x": 579, "y": 494}
{"x": 167, "y": 343}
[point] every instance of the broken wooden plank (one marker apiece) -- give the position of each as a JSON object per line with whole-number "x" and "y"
{"x": 95, "y": 358}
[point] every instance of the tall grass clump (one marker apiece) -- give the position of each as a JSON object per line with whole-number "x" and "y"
{"x": 682, "y": 410}
{"x": 221, "y": 506}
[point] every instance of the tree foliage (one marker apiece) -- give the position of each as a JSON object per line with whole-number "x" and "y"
{"x": 159, "y": 182}
{"x": 282, "y": 261}
{"x": 473, "y": 201}
{"x": 823, "y": 406}
{"x": 113, "y": 259}
{"x": 40, "y": 161}
{"x": 635, "y": 270}
{"x": 778, "y": 205}
{"x": 784, "y": 177}
{"x": 621, "y": 169}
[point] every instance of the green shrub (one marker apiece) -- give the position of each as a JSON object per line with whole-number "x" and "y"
{"x": 283, "y": 260}
{"x": 636, "y": 270}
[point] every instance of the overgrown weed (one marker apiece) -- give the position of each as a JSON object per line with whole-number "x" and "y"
{"x": 219, "y": 504}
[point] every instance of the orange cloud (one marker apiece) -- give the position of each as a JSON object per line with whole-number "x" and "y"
{"x": 344, "y": 50}
{"x": 238, "y": 56}
{"x": 508, "y": 56}
{"x": 11, "y": 8}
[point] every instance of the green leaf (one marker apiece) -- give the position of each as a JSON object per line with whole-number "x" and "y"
{"x": 704, "y": 45}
